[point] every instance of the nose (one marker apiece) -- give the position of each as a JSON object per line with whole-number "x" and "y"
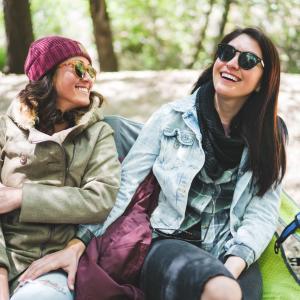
{"x": 234, "y": 63}
{"x": 88, "y": 77}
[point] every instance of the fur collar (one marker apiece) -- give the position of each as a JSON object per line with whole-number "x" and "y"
{"x": 26, "y": 118}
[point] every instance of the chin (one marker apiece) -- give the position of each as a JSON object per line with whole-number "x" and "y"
{"x": 83, "y": 102}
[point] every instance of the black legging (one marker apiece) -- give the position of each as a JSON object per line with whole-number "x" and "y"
{"x": 177, "y": 270}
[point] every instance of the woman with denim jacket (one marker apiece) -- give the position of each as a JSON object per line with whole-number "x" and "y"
{"x": 219, "y": 157}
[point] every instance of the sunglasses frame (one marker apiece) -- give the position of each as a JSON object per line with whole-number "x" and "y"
{"x": 242, "y": 53}
{"x": 77, "y": 71}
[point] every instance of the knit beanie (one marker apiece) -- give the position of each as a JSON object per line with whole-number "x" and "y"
{"x": 47, "y": 52}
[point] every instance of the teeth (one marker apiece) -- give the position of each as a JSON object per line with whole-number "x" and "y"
{"x": 229, "y": 76}
{"x": 83, "y": 89}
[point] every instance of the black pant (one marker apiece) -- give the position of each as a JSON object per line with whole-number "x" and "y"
{"x": 177, "y": 270}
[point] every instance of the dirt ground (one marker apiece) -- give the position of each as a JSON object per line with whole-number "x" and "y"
{"x": 136, "y": 95}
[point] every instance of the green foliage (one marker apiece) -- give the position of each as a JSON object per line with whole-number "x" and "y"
{"x": 2, "y": 57}
{"x": 148, "y": 34}
{"x": 162, "y": 34}
{"x": 68, "y": 18}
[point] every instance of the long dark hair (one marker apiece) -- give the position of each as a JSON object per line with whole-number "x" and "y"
{"x": 40, "y": 97}
{"x": 264, "y": 132}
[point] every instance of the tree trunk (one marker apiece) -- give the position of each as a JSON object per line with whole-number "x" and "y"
{"x": 19, "y": 34}
{"x": 201, "y": 38}
{"x": 223, "y": 21}
{"x": 103, "y": 36}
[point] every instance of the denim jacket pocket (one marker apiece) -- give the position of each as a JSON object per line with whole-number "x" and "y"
{"x": 176, "y": 146}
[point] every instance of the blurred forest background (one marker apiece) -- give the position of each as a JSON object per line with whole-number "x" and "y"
{"x": 146, "y": 34}
{"x": 152, "y": 51}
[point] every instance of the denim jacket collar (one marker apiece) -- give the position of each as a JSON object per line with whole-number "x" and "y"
{"x": 189, "y": 114}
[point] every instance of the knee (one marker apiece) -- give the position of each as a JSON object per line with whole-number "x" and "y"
{"x": 221, "y": 288}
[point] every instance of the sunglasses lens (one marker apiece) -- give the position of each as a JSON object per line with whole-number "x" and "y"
{"x": 79, "y": 69}
{"x": 248, "y": 60}
{"x": 92, "y": 72}
{"x": 225, "y": 52}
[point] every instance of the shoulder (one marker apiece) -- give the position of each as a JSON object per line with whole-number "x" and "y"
{"x": 179, "y": 106}
{"x": 102, "y": 127}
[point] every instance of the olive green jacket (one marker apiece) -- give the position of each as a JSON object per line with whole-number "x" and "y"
{"x": 68, "y": 178}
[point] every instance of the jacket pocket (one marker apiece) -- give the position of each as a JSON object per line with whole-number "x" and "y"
{"x": 176, "y": 147}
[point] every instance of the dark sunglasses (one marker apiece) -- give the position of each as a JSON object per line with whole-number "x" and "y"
{"x": 247, "y": 60}
{"x": 80, "y": 69}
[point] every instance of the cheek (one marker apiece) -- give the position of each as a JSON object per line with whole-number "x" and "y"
{"x": 254, "y": 79}
{"x": 64, "y": 85}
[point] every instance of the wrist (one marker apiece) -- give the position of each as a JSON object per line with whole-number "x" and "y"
{"x": 77, "y": 246}
{"x": 18, "y": 198}
{"x": 235, "y": 265}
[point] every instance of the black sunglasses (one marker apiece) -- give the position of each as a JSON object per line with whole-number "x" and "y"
{"x": 80, "y": 69}
{"x": 247, "y": 60}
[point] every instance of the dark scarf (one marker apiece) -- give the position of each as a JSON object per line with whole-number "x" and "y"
{"x": 221, "y": 152}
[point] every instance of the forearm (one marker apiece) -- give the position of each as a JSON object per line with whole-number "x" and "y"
{"x": 72, "y": 205}
{"x": 235, "y": 265}
{"x": 4, "y": 289}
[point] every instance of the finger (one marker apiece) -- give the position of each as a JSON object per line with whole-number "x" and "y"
{"x": 71, "y": 280}
{"x": 38, "y": 268}
{"x": 71, "y": 276}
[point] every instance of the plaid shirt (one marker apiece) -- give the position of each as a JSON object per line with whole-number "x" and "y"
{"x": 208, "y": 209}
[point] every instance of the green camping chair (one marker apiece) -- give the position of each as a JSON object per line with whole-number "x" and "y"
{"x": 281, "y": 272}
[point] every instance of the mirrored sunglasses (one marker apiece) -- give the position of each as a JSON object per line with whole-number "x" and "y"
{"x": 80, "y": 69}
{"x": 246, "y": 60}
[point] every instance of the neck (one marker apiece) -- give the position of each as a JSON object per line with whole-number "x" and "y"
{"x": 227, "y": 109}
{"x": 60, "y": 126}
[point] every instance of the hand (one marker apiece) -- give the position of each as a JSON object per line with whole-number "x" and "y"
{"x": 4, "y": 290}
{"x": 66, "y": 259}
{"x": 235, "y": 265}
{"x": 10, "y": 198}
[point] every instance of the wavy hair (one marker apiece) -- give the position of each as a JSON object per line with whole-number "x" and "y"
{"x": 264, "y": 132}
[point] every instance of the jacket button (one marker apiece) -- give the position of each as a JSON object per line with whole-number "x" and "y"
{"x": 23, "y": 159}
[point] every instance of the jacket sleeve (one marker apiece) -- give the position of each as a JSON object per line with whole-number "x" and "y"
{"x": 89, "y": 203}
{"x": 3, "y": 256}
{"x": 135, "y": 167}
{"x": 257, "y": 227}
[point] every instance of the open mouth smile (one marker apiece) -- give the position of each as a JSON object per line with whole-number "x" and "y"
{"x": 230, "y": 77}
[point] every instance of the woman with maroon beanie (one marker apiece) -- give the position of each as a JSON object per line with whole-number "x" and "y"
{"x": 59, "y": 168}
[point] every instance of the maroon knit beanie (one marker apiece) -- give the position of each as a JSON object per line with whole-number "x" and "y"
{"x": 48, "y": 52}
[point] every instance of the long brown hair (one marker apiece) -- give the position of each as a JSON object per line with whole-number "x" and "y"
{"x": 264, "y": 132}
{"x": 40, "y": 97}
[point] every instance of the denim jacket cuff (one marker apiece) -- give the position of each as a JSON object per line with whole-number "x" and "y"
{"x": 84, "y": 234}
{"x": 242, "y": 251}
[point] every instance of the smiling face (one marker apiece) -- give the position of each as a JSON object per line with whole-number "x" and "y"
{"x": 72, "y": 91}
{"x": 231, "y": 82}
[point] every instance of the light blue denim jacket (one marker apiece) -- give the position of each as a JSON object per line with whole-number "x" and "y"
{"x": 170, "y": 143}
